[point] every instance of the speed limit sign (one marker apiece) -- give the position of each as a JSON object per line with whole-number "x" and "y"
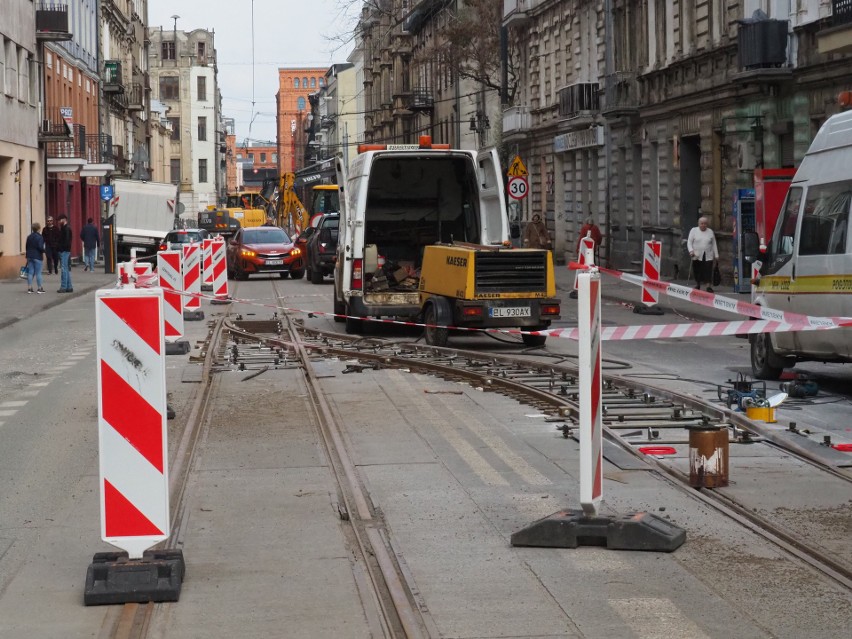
{"x": 518, "y": 187}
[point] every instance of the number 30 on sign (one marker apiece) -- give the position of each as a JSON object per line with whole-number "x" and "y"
{"x": 518, "y": 188}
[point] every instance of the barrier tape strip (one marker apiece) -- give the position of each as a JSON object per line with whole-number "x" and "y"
{"x": 775, "y": 322}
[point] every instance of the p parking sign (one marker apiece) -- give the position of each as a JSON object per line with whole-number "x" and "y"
{"x": 107, "y": 191}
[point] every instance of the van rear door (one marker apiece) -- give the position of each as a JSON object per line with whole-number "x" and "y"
{"x": 492, "y": 201}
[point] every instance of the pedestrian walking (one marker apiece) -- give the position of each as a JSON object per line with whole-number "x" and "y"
{"x": 589, "y": 227}
{"x": 35, "y": 257}
{"x": 66, "y": 238}
{"x": 701, "y": 244}
{"x": 51, "y": 245}
{"x": 91, "y": 239}
{"x": 535, "y": 234}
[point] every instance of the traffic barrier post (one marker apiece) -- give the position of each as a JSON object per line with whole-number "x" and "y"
{"x": 220, "y": 272}
{"x": 573, "y": 528}
{"x": 192, "y": 282}
{"x": 585, "y": 255}
{"x": 207, "y": 264}
{"x": 651, "y": 270}
{"x": 133, "y": 452}
{"x": 169, "y": 271}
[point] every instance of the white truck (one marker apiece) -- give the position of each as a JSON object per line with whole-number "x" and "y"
{"x": 395, "y": 200}
{"x": 144, "y": 213}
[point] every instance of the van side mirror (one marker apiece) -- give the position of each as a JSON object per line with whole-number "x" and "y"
{"x": 514, "y": 230}
{"x": 751, "y": 247}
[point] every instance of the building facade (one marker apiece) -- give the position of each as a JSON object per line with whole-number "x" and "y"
{"x": 21, "y": 161}
{"x": 292, "y": 113}
{"x": 182, "y": 67}
{"x": 646, "y": 115}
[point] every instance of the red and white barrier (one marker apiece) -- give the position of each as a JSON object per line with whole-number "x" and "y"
{"x": 589, "y": 351}
{"x": 587, "y": 247}
{"x": 207, "y": 264}
{"x": 132, "y": 270}
{"x": 134, "y": 486}
{"x": 220, "y": 271}
{"x": 169, "y": 270}
{"x": 755, "y": 277}
{"x": 651, "y": 270}
{"x": 192, "y": 281}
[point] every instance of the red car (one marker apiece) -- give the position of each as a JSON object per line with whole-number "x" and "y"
{"x": 264, "y": 249}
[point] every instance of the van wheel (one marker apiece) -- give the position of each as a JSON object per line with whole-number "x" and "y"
{"x": 354, "y": 326}
{"x": 434, "y": 336}
{"x": 765, "y": 364}
{"x": 535, "y": 340}
{"x": 339, "y": 311}
{"x": 297, "y": 274}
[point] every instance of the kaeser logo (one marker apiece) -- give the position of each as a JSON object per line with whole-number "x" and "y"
{"x": 456, "y": 261}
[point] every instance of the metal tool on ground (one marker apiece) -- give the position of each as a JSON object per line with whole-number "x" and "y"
{"x": 742, "y": 391}
{"x": 800, "y": 388}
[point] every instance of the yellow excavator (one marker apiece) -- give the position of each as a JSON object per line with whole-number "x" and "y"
{"x": 290, "y": 213}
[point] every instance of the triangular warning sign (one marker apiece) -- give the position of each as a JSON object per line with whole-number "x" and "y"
{"x": 517, "y": 168}
{"x": 122, "y": 518}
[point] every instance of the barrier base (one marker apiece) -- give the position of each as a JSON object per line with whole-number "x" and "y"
{"x": 573, "y": 528}
{"x": 573, "y": 295}
{"x": 113, "y": 578}
{"x": 179, "y": 347}
{"x": 641, "y": 309}
{"x": 193, "y": 316}
{"x": 221, "y": 300}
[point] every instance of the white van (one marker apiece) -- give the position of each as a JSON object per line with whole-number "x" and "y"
{"x": 807, "y": 268}
{"x": 394, "y": 201}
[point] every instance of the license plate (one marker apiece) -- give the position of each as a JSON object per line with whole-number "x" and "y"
{"x": 509, "y": 311}
{"x": 274, "y": 262}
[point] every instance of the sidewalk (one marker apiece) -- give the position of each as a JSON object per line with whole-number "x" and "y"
{"x": 16, "y": 304}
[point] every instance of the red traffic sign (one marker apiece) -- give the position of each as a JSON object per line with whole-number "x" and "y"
{"x": 518, "y": 187}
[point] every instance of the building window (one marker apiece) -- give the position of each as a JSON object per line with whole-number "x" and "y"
{"x": 169, "y": 88}
{"x": 175, "y": 170}
{"x": 202, "y": 52}
{"x": 275, "y": 157}
{"x": 300, "y": 104}
{"x": 322, "y": 82}
{"x": 202, "y": 129}
{"x": 313, "y": 83}
{"x": 262, "y": 158}
{"x": 175, "y": 122}
{"x": 202, "y": 88}
{"x": 295, "y": 83}
{"x": 168, "y": 50}
{"x": 251, "y": 157}
{"x": 305, "y": 83}
{"x": 202, "y": 170}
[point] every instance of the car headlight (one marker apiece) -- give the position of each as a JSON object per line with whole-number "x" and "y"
{"x": 296, "y": 251}
{"x": 247, "y": 253}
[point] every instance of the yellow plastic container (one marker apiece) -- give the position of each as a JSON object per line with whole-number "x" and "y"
{"x": 761, "y": 413}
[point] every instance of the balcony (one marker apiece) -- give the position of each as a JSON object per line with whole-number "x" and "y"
{"x": 516, "y": 121}
{"x": 52, "y": 23}
{"x": 112, "y": 77}
{"x": 118, "y": 159}
{"x": 578, "y": 100}
{"x": 837, "y": 38}
{"x": 67, "y": 156}
{"x": 515, "y": 12}
{"x": 135, "y": 97}
{"x": 621, "y": 95}
{"x": 98, "y": 155}
{"x": 54, "y": 127}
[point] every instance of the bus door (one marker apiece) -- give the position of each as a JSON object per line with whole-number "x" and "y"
{"x": 781, "y": 271}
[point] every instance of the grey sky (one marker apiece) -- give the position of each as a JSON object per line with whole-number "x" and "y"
{"x": 286, "y": 34}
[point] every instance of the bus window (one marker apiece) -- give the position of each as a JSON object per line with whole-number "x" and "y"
{"x": 785, "y": 232}
{"x": 825, "y": 218}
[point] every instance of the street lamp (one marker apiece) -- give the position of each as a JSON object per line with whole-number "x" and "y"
{"x": 175, "y": 18}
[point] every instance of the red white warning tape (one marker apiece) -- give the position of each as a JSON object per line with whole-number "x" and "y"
{"x": 771, "y": 321}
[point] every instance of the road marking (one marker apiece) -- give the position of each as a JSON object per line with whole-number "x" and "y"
{"x": 476, "y": 462}
{"x": 652, "y": 618}
{"x": 41, "y": 384}
{"x": 29, "y": 393}
{"x": 7, "y": 413}
{"x": 13, "y": 404}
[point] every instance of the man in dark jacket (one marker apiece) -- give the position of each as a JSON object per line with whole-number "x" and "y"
{"x": 91, "y": 239}
{"x": 65, "y": 240}
{"x": 35, "y": 253}
{"x": 51, "y": 245}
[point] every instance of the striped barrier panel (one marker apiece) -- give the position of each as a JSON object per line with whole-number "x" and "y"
{"x": 207, "y": 264}
{"x": 651, "y": 270}
{"x": 192, "y": 281}
{"x": 591, "y": 428}
{"x": 220, "y": 272}
{"x": 587, "y": 248}
{"x": 170, "y": 280}
{"x": 134, "y": 486}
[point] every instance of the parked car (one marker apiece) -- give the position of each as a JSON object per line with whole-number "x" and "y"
{"x": 263, "y": 249}
{"x": 182, "y": 236}
{"x": 322, "y": 248}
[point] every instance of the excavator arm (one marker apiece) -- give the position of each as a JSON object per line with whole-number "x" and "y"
{"x": 292, "y": 214}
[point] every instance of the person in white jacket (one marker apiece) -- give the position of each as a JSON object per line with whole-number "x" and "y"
{"x": 702, "y": 248}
